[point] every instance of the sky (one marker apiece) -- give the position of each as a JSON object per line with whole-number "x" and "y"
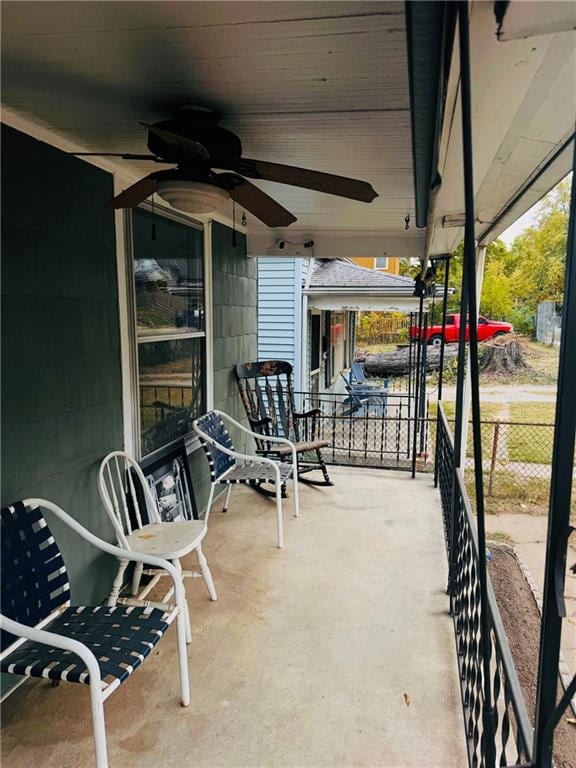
{"x": 525, "y": 221}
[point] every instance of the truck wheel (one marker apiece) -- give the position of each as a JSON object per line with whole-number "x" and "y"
{"x": 499, "y": 333}
{"x": 435, "y": 340}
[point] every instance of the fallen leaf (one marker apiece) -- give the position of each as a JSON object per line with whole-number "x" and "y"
{"x": 406, "y": 699}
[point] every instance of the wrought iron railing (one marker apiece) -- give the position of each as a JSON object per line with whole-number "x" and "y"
{"x": 369, "y": 429}
{"x": 512, "y": 735}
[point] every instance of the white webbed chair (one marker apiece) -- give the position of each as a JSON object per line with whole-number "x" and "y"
{"x": 142, "y": 530}
{"x": 44, "y": 636}
{"x": 253, "y": 470}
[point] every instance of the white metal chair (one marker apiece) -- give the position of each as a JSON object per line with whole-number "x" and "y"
{"x": 44, "y": 636}
{"x": 142, "y": 530}
{"x": 254, "y": 470}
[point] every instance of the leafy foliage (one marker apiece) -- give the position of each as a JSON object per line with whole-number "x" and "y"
{"x": 376, "y": 327}
{"x": 516, "y": 280}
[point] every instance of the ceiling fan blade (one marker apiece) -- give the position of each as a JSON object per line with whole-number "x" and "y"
{"x": 135, "y": 194}
{"x": 256, "y": 201}
{"x": 123, "y": 155}
{"x": 301, "y": 177}
{"x": 189, "y": 146}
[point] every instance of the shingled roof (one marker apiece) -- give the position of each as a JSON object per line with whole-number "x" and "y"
{"x": 340, "y": 273}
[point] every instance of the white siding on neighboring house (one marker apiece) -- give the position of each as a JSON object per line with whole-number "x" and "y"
{"x": 280, "y": 311}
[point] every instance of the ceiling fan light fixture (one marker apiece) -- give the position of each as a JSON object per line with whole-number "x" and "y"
{"x": 192, "y": 196}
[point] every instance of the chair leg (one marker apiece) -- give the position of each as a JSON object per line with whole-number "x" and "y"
{"x": 183, "y": 659}
{"x": 177, "y": 564}
{"x": 279, "y": 515}
{"x": 137, "y": 578}
{"x": 323, "y": 467}
{"x": 117, "y": 584}
{"x": 206, "y": 575}
{"x": 227, "y": 502}
{"x": 296, "y": 499}
{"x": 209, "y": 505}
{"x": 98, "y": 726}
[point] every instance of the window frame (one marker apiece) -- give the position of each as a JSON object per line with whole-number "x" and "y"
{"x": 386, "y": 266}
{"x": 134, "y": 428}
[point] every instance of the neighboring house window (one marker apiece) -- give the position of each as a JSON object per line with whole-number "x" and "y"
{"x": 381, "y": 262}
{"x": 170, "y": 326}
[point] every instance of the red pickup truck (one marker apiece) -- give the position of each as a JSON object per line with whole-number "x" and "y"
{"x": 487, "y": 329}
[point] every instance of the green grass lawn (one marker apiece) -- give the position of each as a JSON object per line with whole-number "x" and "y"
{"x": 531, "y": 444}
{"x": 489, "y": 412}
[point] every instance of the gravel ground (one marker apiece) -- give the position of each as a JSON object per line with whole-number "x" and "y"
{"x": 522, "y": 624}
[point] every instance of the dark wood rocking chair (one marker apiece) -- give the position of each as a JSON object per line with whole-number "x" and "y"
{"x": 267, "y": 393}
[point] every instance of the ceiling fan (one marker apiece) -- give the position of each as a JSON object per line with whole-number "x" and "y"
{"x": 196, "y": 144}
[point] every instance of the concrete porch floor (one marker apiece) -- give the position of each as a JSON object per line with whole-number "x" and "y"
{"x": 337, "y": 651}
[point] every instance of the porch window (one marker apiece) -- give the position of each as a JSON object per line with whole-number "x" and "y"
{"x": 170, "y": 326}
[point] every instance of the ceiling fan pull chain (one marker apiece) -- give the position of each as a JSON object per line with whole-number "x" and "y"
{"x": 153, "y": 219}
{"x": 233, "y": 220}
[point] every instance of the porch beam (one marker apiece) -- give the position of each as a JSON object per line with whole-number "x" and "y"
{"x": 335, "y": 244}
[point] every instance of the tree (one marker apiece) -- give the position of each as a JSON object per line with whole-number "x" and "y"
{"x": 516, "y": 280}
{"x": 538, "y": 255}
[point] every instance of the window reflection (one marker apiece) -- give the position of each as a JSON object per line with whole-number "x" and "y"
{"x": 171, "y": 389}
{"x": 168, "y": 274}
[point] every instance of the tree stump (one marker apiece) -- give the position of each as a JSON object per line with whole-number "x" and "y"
{"x": 503, "y": 355}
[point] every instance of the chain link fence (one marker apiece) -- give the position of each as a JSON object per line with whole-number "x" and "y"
{"x": 517, "y": 463}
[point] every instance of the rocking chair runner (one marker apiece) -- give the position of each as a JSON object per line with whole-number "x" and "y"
{"x": 267, "y": 394}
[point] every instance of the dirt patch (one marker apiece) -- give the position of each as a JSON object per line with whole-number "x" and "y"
{"x": 521, "y": 620}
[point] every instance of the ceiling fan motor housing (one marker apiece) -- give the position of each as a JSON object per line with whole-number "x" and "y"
{"x": 222, "y": 146}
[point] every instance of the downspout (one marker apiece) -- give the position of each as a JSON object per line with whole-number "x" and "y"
{"x": 304, "y": 384}
{"x": 418, "y": 15}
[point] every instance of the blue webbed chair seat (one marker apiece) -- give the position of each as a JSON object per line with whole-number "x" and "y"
{"x": 119, "y": 637}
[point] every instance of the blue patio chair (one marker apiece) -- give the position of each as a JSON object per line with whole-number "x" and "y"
{"x": 372, "y": 396}
{"x": 254, "y": 469}
{"x": 42, "y": 635}
{"x": 358, "y": 380}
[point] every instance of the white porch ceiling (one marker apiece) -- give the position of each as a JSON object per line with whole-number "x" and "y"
{"x": 523, "y": 112}
{"x": 317, "y": 84}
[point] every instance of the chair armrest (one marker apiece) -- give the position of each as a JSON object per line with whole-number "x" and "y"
{"x": 237, "y": 454}
{"x": 259, "y": 435}
{"x": 260, "y": 423}
{"x": 308, "y": 414}
{"x": 112, "y": 549}
{"x": 56, "y": 641}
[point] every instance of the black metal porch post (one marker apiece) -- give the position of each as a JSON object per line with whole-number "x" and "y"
{"x": 553, "y": 609}
{"x": 488, "y": 719}
{"x": 446, "y": 260}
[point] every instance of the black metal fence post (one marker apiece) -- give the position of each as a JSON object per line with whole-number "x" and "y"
{"x": 417, "y": 384}
{"x": 553, "y": 609}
